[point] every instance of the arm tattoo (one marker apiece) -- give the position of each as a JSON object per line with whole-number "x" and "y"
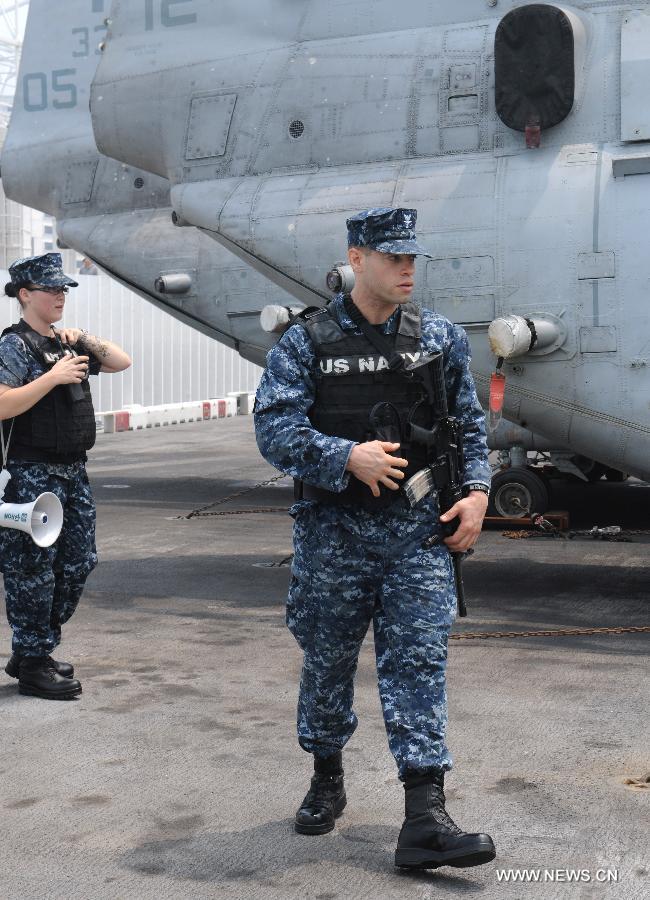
{"x": 96, "y": 346}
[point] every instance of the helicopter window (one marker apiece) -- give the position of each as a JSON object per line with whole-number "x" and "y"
{"x": 534, "y": 67}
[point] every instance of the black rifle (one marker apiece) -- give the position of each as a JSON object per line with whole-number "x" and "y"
{"x": 444, "y": 443}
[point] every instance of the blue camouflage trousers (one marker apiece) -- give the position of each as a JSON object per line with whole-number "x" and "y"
{"x": 43, "y": 585}
{"x": 340, "y": 583}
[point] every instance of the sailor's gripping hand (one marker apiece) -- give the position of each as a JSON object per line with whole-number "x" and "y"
{"x": 471, "y": 512}
{"x": 371, "y": 463}
{"x": 69, "y": 336}
{"x": 69, "y": 370}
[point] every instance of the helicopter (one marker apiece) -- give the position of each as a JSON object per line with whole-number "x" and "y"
{"x": 207, "y": 156}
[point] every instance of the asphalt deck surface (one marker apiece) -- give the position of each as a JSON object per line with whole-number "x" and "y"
{"x": 177, "y": 772}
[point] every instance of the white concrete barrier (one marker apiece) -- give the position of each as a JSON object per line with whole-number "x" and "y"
{"x": 221, "y": 409}
{"x": 245, "y": 402}
{"x": 116, "y": 421}
{"x": 135, "y": 418}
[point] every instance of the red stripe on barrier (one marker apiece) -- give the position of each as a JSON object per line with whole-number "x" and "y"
{"x": 122, "y": 421}
{"x": 221, "y": 409}
{"x": 207, "y": 410}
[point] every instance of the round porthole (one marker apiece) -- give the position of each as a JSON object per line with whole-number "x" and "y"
{"x": 138, "y": 184}
{"x": 296, "y": 129}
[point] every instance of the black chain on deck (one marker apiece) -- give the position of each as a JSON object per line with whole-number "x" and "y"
{"x": 559, "y": 632}
{"x": 619, "y": 537}
{"x": 201, "y": 511}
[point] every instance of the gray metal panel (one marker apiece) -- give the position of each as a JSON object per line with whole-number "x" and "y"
{"x": 598, "y": 339}
{"x": 460, "y": 138}
{"x": 79, "y": 182}
{"x": 456, "y": 284}
{"x": 635, "y": 76}
{"x": 631, "y": 165}
{"x": 460, "y": 272}
{"x": 596, "y": 265}
{"x": 465, "y": 308}
{"x": 209, "y": 125}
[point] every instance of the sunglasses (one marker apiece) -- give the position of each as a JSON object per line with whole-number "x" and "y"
{"x": 50, "y": 290}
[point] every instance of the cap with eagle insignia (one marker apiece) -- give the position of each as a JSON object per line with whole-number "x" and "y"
{"x": 385, "y": 230}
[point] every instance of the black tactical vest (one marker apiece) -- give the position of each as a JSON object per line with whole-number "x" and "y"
{"x": 55, "y": 429}
{"x": 359, "y": 398}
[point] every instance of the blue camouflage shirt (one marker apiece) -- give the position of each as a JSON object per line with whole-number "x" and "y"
{"x": 287, "y": 439}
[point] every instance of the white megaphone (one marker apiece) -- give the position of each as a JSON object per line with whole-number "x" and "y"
{"x": 42, "y": 519}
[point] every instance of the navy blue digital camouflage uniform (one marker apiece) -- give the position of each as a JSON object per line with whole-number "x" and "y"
{"x": 353, "y": 566}
{"x": 43, "y": 584}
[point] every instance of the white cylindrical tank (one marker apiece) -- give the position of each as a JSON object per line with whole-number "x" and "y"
{"x": 274, "y": 319}
{"x": 512, "y": 336}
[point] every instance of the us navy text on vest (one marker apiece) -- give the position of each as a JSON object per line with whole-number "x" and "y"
{"x": 357, "y": 365}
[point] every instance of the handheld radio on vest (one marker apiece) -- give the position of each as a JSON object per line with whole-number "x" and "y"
{"x": 75, "y": 392}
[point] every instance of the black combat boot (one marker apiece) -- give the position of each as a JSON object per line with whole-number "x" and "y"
{"x": 63, "y": 668}
{"x": 429, "y": 838}
{"x": 325, "y": 800}
{"x": 38, "y": 677}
